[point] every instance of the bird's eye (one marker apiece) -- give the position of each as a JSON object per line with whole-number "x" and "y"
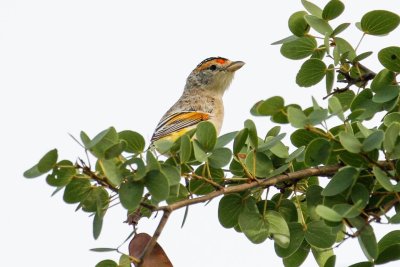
{"x": 213, "y": 67}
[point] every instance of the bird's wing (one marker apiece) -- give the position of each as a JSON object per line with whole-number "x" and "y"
{"x": 176, "y": 122}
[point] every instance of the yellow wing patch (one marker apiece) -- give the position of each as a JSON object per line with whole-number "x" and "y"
{"x": 177, "y": 124}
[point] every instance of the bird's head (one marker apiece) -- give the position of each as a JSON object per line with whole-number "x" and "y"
{"x": 214, "y": 73}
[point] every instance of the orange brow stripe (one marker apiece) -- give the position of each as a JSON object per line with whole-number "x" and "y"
{"x": 220, "y": 60}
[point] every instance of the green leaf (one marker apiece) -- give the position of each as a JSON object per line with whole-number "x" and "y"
{"x": 297, "y": 24}
{"x": 157, "y": 184}
{"x": 314, "y": 198}
{"x": 335, "y": 108}
{"x": 253, "y": 137}
{"x": 389, "y": 247}
{"x": 386, "y": 94}
{"x": 47, "y": 162}
{"x": 384, "y": 78}
{"x": 379, "y": 22}
{"x": 135, "y": 142}
{"x": 391, "y": 118}
{"x": 297, "y": 258}
{"x": 324, "y": 257}
{"x": 107, "y": 263}
{"x": 240, "y": 140}
{"x": 311, "y": 72}
{"x": 368, "y": 243}
{"x": 319, "y": 235}
{"x": 279, "y": 150}
{"x": 317, "y": 116}
{"x": 270, "y": 142}
{"x": 103, "y": 249}
{"x": 206, "y": 134}
{"x": 350, "y": 142}
{"x": 103, "y": 141}
{"x": 296, "y": 234}
{"x": 362, "y": 56}
{"x": 172, "y": 173}
{"x": 76, "y": 190}
{"x": 225, "y": 139}
{"x": 317, "y": 152}
{"x": 391, "y": 136}
{"x": 332, "y": 10}
{"x": 97, "y": 225}
{"x": 318, "y": 24}
{"x": 278, "y": 228}
{"x": 254, "y": 226}
{"x": 373, "y": 141}
{"x": 199, "y": 153}
{"x": 295, "y": 154}
{"x": 345, "y": 47}
{"x": 330, "y": 78}
{"x": 229, "y": 209}
{"x": 259, "y": 164}
{"x": 302, "y": 137}
{"x": 342, "y": 180}
{"x": 328, "y": 214}
{"x": 345, "y": 99}
{"x": 363, "y": 102}
{"x": 363, "y": 264}
{"x": 390, "y": 58}
{"x": 111, "y": 170}
{"x": 360, "y": 194}
{"x": 220, "y": 157}
{"x": 62, "y": 174}
{"x": 296, "y": 117}
{"x": 284, "y": 40}
{"x": 185, "y": 149}
{"x": 383, "y": 179}
{"x": 348, "y": 211}
{"x": 201, "y": 187}
{"x": 300, "y": 48}
{"x": 115, "y": 150}
{"x": 312, "y": 8}
{"x": 268, "y": 107}
{"x": 340, "y": 29}
{"x": 130, "y": 194}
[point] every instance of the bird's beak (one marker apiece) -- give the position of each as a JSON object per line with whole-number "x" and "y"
{"x": 234, "y": 66}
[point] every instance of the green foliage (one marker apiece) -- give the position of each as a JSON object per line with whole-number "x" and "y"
{"x": 330, "y": 141}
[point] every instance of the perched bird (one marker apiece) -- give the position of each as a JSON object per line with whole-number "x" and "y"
{"x": 201, "y": 99}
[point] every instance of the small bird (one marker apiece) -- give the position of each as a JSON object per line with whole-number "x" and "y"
{"x": 201, "y": 99}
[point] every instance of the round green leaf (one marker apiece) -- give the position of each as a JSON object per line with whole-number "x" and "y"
{"x": 278, "y": 228}
{"x": 254, "y": 226}
{"x": 386, "y": 94}
{"x": 332, "y": 10}
{"x": 107, "y": 263}
{"x": 360, "y": 195}
{"x": 201, "y": 187}
{"x": 296, "y": 117}
{"x": 261, "y": 162}
{"x": 384, "y": 78}
{"x": 389, "y": 247}
{"x": 300, "y": 48}
{"x": 229, "y": 209}
{"x": 269, "y": 106}
{"x": 220, "y": 157}
{"x": 102, "y": 142}
{"x": 76, "y": 190}
{"x": 368, "y": 243}
{"x": 157, "y": 184}
{"x": 311, "y": 72}
{"x": 317, "y": 152}
{"x": 297, "y": 258}
{"x": 62, "y": 174}
{"x": 199, "y": 153}
{"x": 347, "y": 210}
{"x": 296, "y": 234}
{"x": 391, "y": 136}
{"x": 319, "y": 235}
{"x": 379, "y": 22}
{"x": 344, "y": 178}
{"x": 206, "y": 134}
{"x": 362, "y": 264}
{"x": 130, "y": 194}
{"x": 297, "y": 24}
{"x": 350, "y": 142}
{"x": 302, "y": 137}
{"x": 390, "y": 58}
{"x": 225, "y": 139}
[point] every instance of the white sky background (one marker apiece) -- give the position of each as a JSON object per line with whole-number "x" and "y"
{"x": 67, "y": 66}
